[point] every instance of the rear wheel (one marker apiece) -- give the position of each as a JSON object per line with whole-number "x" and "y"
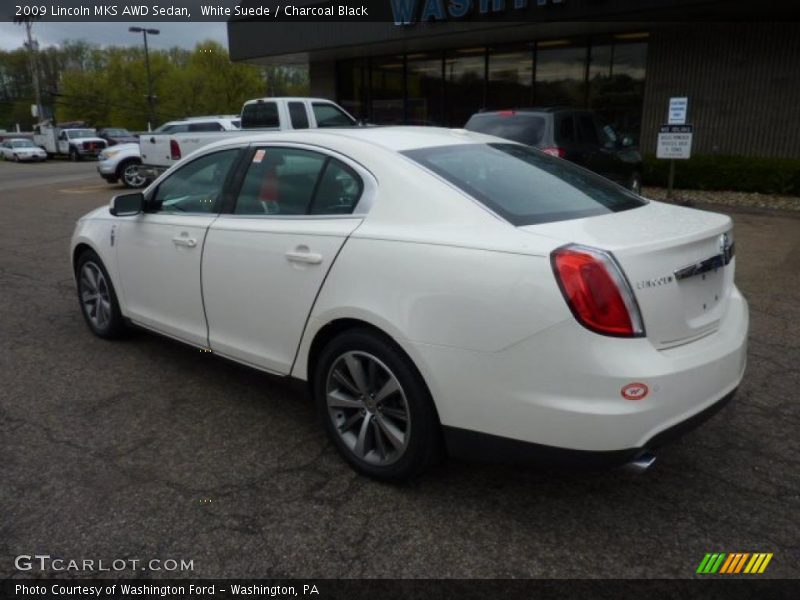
{"x": 376, "y": 408}
{"x": 97, "y": 297}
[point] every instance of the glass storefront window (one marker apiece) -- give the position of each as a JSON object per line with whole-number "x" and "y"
{"x": 353, "y": 87}
{"x": 510, "y": 77}
{"x": 560, "y": 74}
{"x": 425, "y": 89}
{"x": 617, "y": 89}
{"x": 465, "y": 76}
{"x": 387, "y": 92}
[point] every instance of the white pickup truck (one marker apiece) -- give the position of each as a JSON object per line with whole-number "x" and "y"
{"x": 75, "y": 142}
{"x": 161, "y": 149}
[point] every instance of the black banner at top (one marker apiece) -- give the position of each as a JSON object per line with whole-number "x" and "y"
{"x": 405, "y": 13}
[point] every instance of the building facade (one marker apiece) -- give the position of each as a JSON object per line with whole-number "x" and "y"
{"x": 742, "y": 78}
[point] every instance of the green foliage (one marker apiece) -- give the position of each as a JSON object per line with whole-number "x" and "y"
{"x": 736, "y": 173}
{"x": 108, "y": 86}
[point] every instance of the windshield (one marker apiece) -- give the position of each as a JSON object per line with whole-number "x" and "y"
{"x": 525, "y": 186}
{"x": 525, "y": 129}
{"x": 81, "y": 133}
{"x": 118, "y": 132}
{"x": 23, "y": 144}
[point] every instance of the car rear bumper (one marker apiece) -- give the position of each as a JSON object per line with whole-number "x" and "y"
{"x": 562, "y": 388}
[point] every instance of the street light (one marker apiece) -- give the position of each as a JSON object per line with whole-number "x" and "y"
{"x": 150, "y": 97}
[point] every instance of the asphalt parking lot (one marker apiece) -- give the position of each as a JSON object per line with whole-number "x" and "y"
{"x": 148, "y": 449}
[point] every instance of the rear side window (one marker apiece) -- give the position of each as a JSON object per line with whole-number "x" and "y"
{"x": 205, "y": 126}
{"x": 260, "y": 115}
{"x": 525, "y": 186}
{"x": 298, "y": 114}
{"x": 525, "y": 129}
{"x": 587, "y": 129}
{"x": 566, "y": 129}
{"x": 328, "y": 115}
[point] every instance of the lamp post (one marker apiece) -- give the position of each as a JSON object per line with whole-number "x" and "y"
{"x": 150, "y": 97}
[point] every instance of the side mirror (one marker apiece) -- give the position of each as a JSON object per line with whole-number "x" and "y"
{"x": 127, "y": 205}
{"x": 627, "y": 141}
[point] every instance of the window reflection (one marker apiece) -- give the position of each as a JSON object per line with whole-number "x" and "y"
{"x": 425, "y": 89}
{"x": 510, "y": 77}
{"x": 465, "y": 71}
{"x": 387, "y": 91}
{"x": 560, "y": 74}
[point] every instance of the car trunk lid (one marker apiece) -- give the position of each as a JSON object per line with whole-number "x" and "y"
{"x": 678, "y": 262}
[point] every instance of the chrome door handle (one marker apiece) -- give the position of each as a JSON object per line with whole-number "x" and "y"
{"x": 308, "y": 258}
{"x": 184, "y": 241}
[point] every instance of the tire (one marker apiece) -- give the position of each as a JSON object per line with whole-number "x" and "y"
{"x": 128, "y": 171}
{"x": 96, "y": 291}
{"x": 16, "y": 158}
{"x": 73, "y": 155}
{"x": 635, "y": 183}
{"x": 391, "y": 438}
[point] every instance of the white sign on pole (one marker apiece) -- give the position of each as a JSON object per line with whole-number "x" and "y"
{"x": 678, "y": 108}
{"x": 675, "y": 142}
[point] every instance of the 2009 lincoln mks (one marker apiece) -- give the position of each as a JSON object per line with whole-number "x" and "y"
{"x": 431, "y": 286}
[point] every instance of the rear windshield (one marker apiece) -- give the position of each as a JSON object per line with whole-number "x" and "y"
{"x": 523, "y": 185}
{"x": 260, "y": 115}
{"x": 525, "y": 129}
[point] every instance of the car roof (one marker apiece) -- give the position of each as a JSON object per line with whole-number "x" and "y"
{"x": 394, "y": 138}
{"x": 288, "y": 99}
{"x": 531, "y": 110}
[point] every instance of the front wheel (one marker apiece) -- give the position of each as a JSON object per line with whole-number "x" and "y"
{"x": 97, "y": 297}
{"x": 73, "y": 155}
{"x": 376, "y": 407}
{"x": 129, "y": 172}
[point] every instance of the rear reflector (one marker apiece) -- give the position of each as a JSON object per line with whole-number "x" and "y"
{"x": 174, "y": 150}
{"x": 597, "y": 292}
{"x": 553, "y": 151}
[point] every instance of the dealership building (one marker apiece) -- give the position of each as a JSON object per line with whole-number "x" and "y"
{"x": 737, "y": 62}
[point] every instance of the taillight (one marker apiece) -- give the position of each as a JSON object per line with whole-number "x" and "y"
{"x": 597, "y": 291}
{"x": 507, "y": 113}
{"x": 174, "y": 150}
{"x": 554, "y": 151}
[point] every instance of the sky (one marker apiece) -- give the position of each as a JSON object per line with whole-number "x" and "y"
{"x": 185, "y": 35}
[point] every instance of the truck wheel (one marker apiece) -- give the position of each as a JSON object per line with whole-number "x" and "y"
{"x": 128, "y": 171}
{"x": 73, "y": 155}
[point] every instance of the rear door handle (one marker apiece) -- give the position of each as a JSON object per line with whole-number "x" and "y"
{"x": 304, "y": 256}
{"x": 184, "y": 241}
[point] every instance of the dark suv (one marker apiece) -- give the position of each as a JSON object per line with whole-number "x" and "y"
{"x": 577, "y": 135}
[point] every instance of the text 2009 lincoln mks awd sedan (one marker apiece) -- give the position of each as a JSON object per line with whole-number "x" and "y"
{"x": 437, "y": 290}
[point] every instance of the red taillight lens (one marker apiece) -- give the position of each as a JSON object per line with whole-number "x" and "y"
{"x": 596, "y": 291}
{"x": 174, "y": 150}
{"x": 507, "y": 113}
{"x": 553, "y": 151}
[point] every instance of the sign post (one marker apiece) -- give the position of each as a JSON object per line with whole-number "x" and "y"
{"x": 675, "y": 138}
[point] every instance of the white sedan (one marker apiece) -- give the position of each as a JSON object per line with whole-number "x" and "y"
{"x": 21, "y": 149}
{"x": 435, "y": 288}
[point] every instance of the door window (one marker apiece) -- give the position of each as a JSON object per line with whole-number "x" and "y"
{"x": 196, "y": 187}
{"x": 328, "y": 115}
{"x": 289, "y": 181}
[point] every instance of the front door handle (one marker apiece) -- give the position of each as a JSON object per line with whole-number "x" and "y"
{"x": 303, "y": 255}
{"x": 184, "y": 241}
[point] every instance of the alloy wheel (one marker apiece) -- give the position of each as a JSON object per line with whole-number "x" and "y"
{"x": 131, "y": 177}
{"x": 95, "y": 296}
{"x": 368, "y": 408}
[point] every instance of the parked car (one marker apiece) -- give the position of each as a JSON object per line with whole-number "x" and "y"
{"x": 121, "y": 162}
{"x": 431, "y": 284}
{"x": 21, "y": 149}
{"x": 159, "y": 152}
{"x": 76, "y": 142}
{"x": 576, "y": 135}
{"x": 117, "y": 135}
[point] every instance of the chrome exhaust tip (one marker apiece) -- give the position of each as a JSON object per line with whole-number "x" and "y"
{"x": 641, "y": 464}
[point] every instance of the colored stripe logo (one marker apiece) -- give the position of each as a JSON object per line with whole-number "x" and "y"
{"x": 734, "y": 563}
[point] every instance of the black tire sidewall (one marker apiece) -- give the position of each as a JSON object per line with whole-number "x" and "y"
{"x": 116, "y": 324}
{"x": 425, "y": 430}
